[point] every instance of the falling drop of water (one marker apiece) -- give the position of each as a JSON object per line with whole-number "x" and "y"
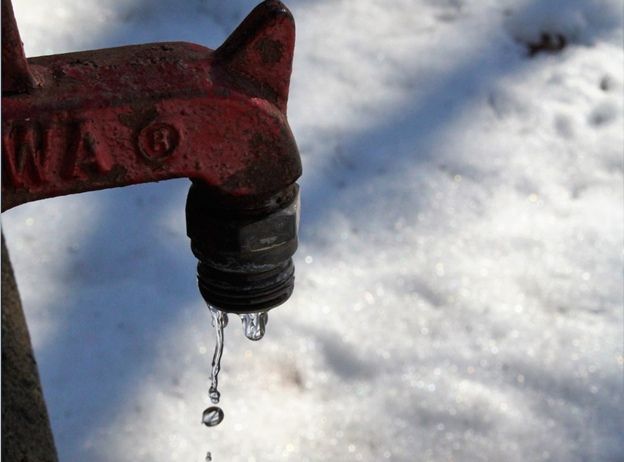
{"x": 214, "y": 395}
{"x": 212, "y": 416}
{"x": 254, "y": 324}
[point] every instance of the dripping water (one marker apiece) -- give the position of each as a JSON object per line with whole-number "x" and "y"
{"x": 254, "y": 324}
{"x": 214, "y": 415}
{"x": 254, "y": 327}
{"x": 219, "y": 321}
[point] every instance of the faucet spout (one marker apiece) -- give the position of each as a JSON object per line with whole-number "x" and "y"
{"x": 244, "y": 251}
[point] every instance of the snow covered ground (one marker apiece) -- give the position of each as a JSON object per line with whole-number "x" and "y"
{"x": 459, "y": 282}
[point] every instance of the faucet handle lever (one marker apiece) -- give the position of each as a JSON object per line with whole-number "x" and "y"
{"x": 260, "y": 51}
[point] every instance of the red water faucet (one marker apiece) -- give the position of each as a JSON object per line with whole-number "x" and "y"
{"x": 99, "y": 119}
{"x": 106, "y": 118}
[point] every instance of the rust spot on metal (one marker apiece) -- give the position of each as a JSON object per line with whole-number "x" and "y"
{"x": 270, "y": 50}
{"x": 265, "y": 167}
{"x": 140, "y": 116}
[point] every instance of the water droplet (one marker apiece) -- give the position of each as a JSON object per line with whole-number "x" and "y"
{"x": 212, "y": 416}
{"x": 215, "y": 395}
{"x": 223, "y": 316}
{"x": 254, "y": 324}
{"x": 208, "y": 457}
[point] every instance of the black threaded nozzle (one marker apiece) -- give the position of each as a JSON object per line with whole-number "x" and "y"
{"x": 244, "y": 252}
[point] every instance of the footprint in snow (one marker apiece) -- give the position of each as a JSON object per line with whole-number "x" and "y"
{"x": 603, "y": 114}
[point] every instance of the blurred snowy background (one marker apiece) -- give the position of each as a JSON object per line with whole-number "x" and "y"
{"x": 459, "y": 282}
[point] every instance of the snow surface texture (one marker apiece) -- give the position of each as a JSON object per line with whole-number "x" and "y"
{"x": 459, "y": 280}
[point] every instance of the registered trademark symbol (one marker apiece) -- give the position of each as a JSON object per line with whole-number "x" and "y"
{"x": 158, "y": 141}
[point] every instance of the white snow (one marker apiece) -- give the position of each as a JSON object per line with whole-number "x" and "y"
{"x": 459, "y": 287}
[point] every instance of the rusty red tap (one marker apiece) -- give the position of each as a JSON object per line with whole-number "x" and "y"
{"x": 99, "y": 119}
{"x": 106, "y": 118}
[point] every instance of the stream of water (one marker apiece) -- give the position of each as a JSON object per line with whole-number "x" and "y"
{"x": 214, "y": 415}
{"x": 254, "y": 327}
